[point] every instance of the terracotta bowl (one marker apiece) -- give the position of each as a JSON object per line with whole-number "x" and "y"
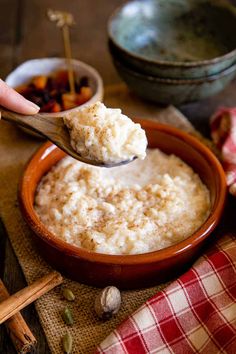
{"x": 132, "y": 271}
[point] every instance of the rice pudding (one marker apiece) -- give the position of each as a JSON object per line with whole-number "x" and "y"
{"x": 105, "y": 134}
{"x": 136, "y": 208}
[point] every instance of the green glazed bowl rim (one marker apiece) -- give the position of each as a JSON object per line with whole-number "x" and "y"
{"x": 169, "y": 81}
{"x": 166, "y": 62}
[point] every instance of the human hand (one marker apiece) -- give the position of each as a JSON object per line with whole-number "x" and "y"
{"x": 13, "y": 101}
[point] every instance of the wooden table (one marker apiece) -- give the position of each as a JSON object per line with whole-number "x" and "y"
{"x": 26, "y": 33}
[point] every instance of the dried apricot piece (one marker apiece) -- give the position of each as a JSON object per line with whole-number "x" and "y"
{"x": 56, "y": 108}
{"x": 40, "y": 81}
{"x": 84, "y": 95}
{"x": 69, "y": 100}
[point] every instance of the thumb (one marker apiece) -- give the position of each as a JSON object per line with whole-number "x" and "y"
{"x": 13, "y": 101}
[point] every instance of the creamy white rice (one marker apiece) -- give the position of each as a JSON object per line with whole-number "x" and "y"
{"x": 140, "y": 207}
{"x": 105, "y": 134}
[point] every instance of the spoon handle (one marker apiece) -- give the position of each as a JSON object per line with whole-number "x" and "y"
{"x": 39, "y": 123}
{"x": 54, "y": 129}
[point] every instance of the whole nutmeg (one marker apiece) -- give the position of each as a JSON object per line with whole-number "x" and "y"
{"x": 108, "y": 302}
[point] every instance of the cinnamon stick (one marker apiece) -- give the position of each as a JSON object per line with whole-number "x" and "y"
{"x": 26, "y": 296}
{"x": 20, "y": 334}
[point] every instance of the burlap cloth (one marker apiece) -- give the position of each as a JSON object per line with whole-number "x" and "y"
{"x": 15, "y": 149}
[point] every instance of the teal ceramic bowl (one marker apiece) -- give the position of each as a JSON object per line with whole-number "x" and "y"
{"x": 175, "y": 38}
{"x": 174, "y": 91}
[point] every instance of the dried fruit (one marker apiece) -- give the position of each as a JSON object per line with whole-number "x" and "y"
{"x": 67, "y": 343}
{"x": 68, "y": 294}
{"x": 40, "y": 81}
{"x": 68, "y": 100}
{"x": 86, "y": 92}
{"x": 108, "y": 302}
{"x": 56, "y": 108}
{"x": 67, "y": 316}
{"x": 52, "y": 93}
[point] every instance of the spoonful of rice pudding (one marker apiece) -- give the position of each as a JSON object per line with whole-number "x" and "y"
{"x": 95, "y": 134}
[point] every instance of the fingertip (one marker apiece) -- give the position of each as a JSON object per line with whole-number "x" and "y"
{"x": 32, "y": 107}
{"x": 12, "y": 100}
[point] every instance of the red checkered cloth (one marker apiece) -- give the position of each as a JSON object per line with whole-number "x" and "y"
{"x": 195, "y": 314}
{"x": 223, "y": 132}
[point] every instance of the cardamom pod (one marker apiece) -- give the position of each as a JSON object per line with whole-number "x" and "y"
{"x": 108, "y": 302}
{"x": 68, "y": 294}
{"x": 67, "y": 343}
{"x": 67, "y": 316}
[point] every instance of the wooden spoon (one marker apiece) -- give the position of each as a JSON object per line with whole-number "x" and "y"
{"x": 54, "y": 129}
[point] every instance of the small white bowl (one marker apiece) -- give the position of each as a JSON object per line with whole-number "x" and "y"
{"x": 45, "y": 66}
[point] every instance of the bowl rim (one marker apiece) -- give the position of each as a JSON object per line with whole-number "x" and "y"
{"x": 207, "y": 227}
{"x": 98, "y": 94}
{"x": 170, "y": 81}
{"x": 165, "y": 63}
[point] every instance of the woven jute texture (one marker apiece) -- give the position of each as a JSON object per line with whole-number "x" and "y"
{"x": 15, "y": 149}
